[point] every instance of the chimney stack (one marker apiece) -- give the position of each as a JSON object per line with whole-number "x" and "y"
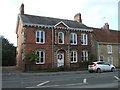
{"x": 106, "y": 26}
{"x": 22, "y": 9}
{"x": 77, "y": 17}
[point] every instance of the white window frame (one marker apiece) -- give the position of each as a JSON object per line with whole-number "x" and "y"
{"x": 74, "y": 57}
{"x": 40, "y": 57}
{"x": 84, "y": 39}
{"x": 73, "y": 36}
{"x": 109, "y": 49}
{"x": 40, "y": 42}
{"x": 84, "y": 55}
{"x": 62, "y": 37}
{"x": 100, "y": 57}
{"x": 110, "y": 57}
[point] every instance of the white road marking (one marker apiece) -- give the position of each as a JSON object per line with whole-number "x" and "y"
{"x": 63, "y": 85}
{"x": 117, "y": 78}
{"x": 85, "y": 81}
{"x": 30, "y": 87}
{"x": 43, "y": 83}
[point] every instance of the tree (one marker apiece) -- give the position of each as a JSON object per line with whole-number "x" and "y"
{"x": 8, "y": 53}
{"x": 31, "y": 56}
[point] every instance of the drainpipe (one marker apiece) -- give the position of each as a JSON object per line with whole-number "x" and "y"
{"x": 53, "y": 47}
{"x": 68, "y": 49}
{"x": 98, "y": 51}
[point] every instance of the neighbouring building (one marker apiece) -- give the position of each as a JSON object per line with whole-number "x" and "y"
{"x": 57, "y": 42}
{"x": 106, "y": 45}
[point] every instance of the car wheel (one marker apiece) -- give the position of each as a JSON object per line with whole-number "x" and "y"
{"x": 112, "y": 69}
{"x": 98, "y": 70}
{"x": 91, "y": 71}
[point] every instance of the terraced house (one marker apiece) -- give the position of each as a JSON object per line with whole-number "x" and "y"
{"x": 107, "y": 45}
{"x": 57, "y": 42}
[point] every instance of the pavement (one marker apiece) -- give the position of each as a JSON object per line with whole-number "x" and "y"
{"x": 13, "y": 71}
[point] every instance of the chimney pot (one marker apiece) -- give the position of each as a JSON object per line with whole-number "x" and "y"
{"x": 106, "y": 26}
{"x": 77, "y": 17}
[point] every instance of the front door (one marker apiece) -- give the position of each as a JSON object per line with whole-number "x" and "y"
{"x": 60, "y": 58}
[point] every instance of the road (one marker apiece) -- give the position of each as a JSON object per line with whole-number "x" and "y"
{"x": 75, "y": 79}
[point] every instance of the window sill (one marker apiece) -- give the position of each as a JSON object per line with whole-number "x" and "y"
{"x": 73, "y": 62}
{"x": 84, "y": 44}
{"x": 109, "y": 52}
{"x": 73, "y": 44}
{"x": 39, "y": 43}
{"x": 39, "y": 63}
{"x": 61, "y": 43}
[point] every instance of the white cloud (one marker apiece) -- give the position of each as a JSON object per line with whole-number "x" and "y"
{"x": 92, "y": 12}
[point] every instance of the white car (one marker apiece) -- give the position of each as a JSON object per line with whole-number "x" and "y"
{"x": 100, "y": 66}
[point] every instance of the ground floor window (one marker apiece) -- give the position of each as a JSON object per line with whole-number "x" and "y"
{"x": 41, "y": 59}
{"x": 73, "y": 57}
{"x": 110, "y": 60}
{"x": 101, "y": 58}
{"x": 84, "y": 55}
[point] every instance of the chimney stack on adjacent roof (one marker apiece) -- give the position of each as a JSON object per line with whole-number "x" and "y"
{"x": 106, "y": 26}
{"x": 77, "y": 17}
{"x": 22, "y": 9}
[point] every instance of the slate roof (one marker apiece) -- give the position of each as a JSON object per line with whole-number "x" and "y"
{"x": 32, "y": 19}
{"x": 106, "y": 36}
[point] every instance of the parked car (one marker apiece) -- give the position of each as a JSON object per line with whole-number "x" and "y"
{"x": 100, "y": 66}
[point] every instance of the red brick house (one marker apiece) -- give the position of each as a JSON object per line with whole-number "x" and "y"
{"x": 57, "y": 42}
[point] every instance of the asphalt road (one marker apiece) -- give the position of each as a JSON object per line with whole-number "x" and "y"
{"x": 75, "y": 79}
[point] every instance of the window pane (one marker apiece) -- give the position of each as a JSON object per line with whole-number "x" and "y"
{"x": 74, "y": 38}
{"x": 42, "y": 60}
{"x": 42, "y": 36}
{"x": 71, "y": 38}
{"x": 37, "y": 33}
{"x": 38, "y": 58}
{"x": 61, "y": 37}
{"x": 37, "y": 36}
{"x": 71, "y": 56}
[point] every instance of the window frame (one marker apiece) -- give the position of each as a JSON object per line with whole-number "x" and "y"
{"x": 40, "y": 42}
{"x": 75, "y": 58}
{"x": 40, "y": 57}
{"x": 62, "y": 37}
{"x": 109, "y": 49}
{"x": 83, "y": 40}
{"x": 84, "y": 55}
{"x": 73, "y": 36}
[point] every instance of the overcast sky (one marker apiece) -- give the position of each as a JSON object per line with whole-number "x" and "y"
{"x": 94, "y": 13}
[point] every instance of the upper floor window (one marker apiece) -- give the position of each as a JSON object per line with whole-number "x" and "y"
{"x": 84, "y": 39}
{"x": 84, "y": 56}
{"x": 109, "y": 48}
{"x": 73, "y": 56}
{"x": 41, "y": 55}
{"x": 40, "y": 37}
{"x": 60, "y": 37}
{"x": 73, "y": 39}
